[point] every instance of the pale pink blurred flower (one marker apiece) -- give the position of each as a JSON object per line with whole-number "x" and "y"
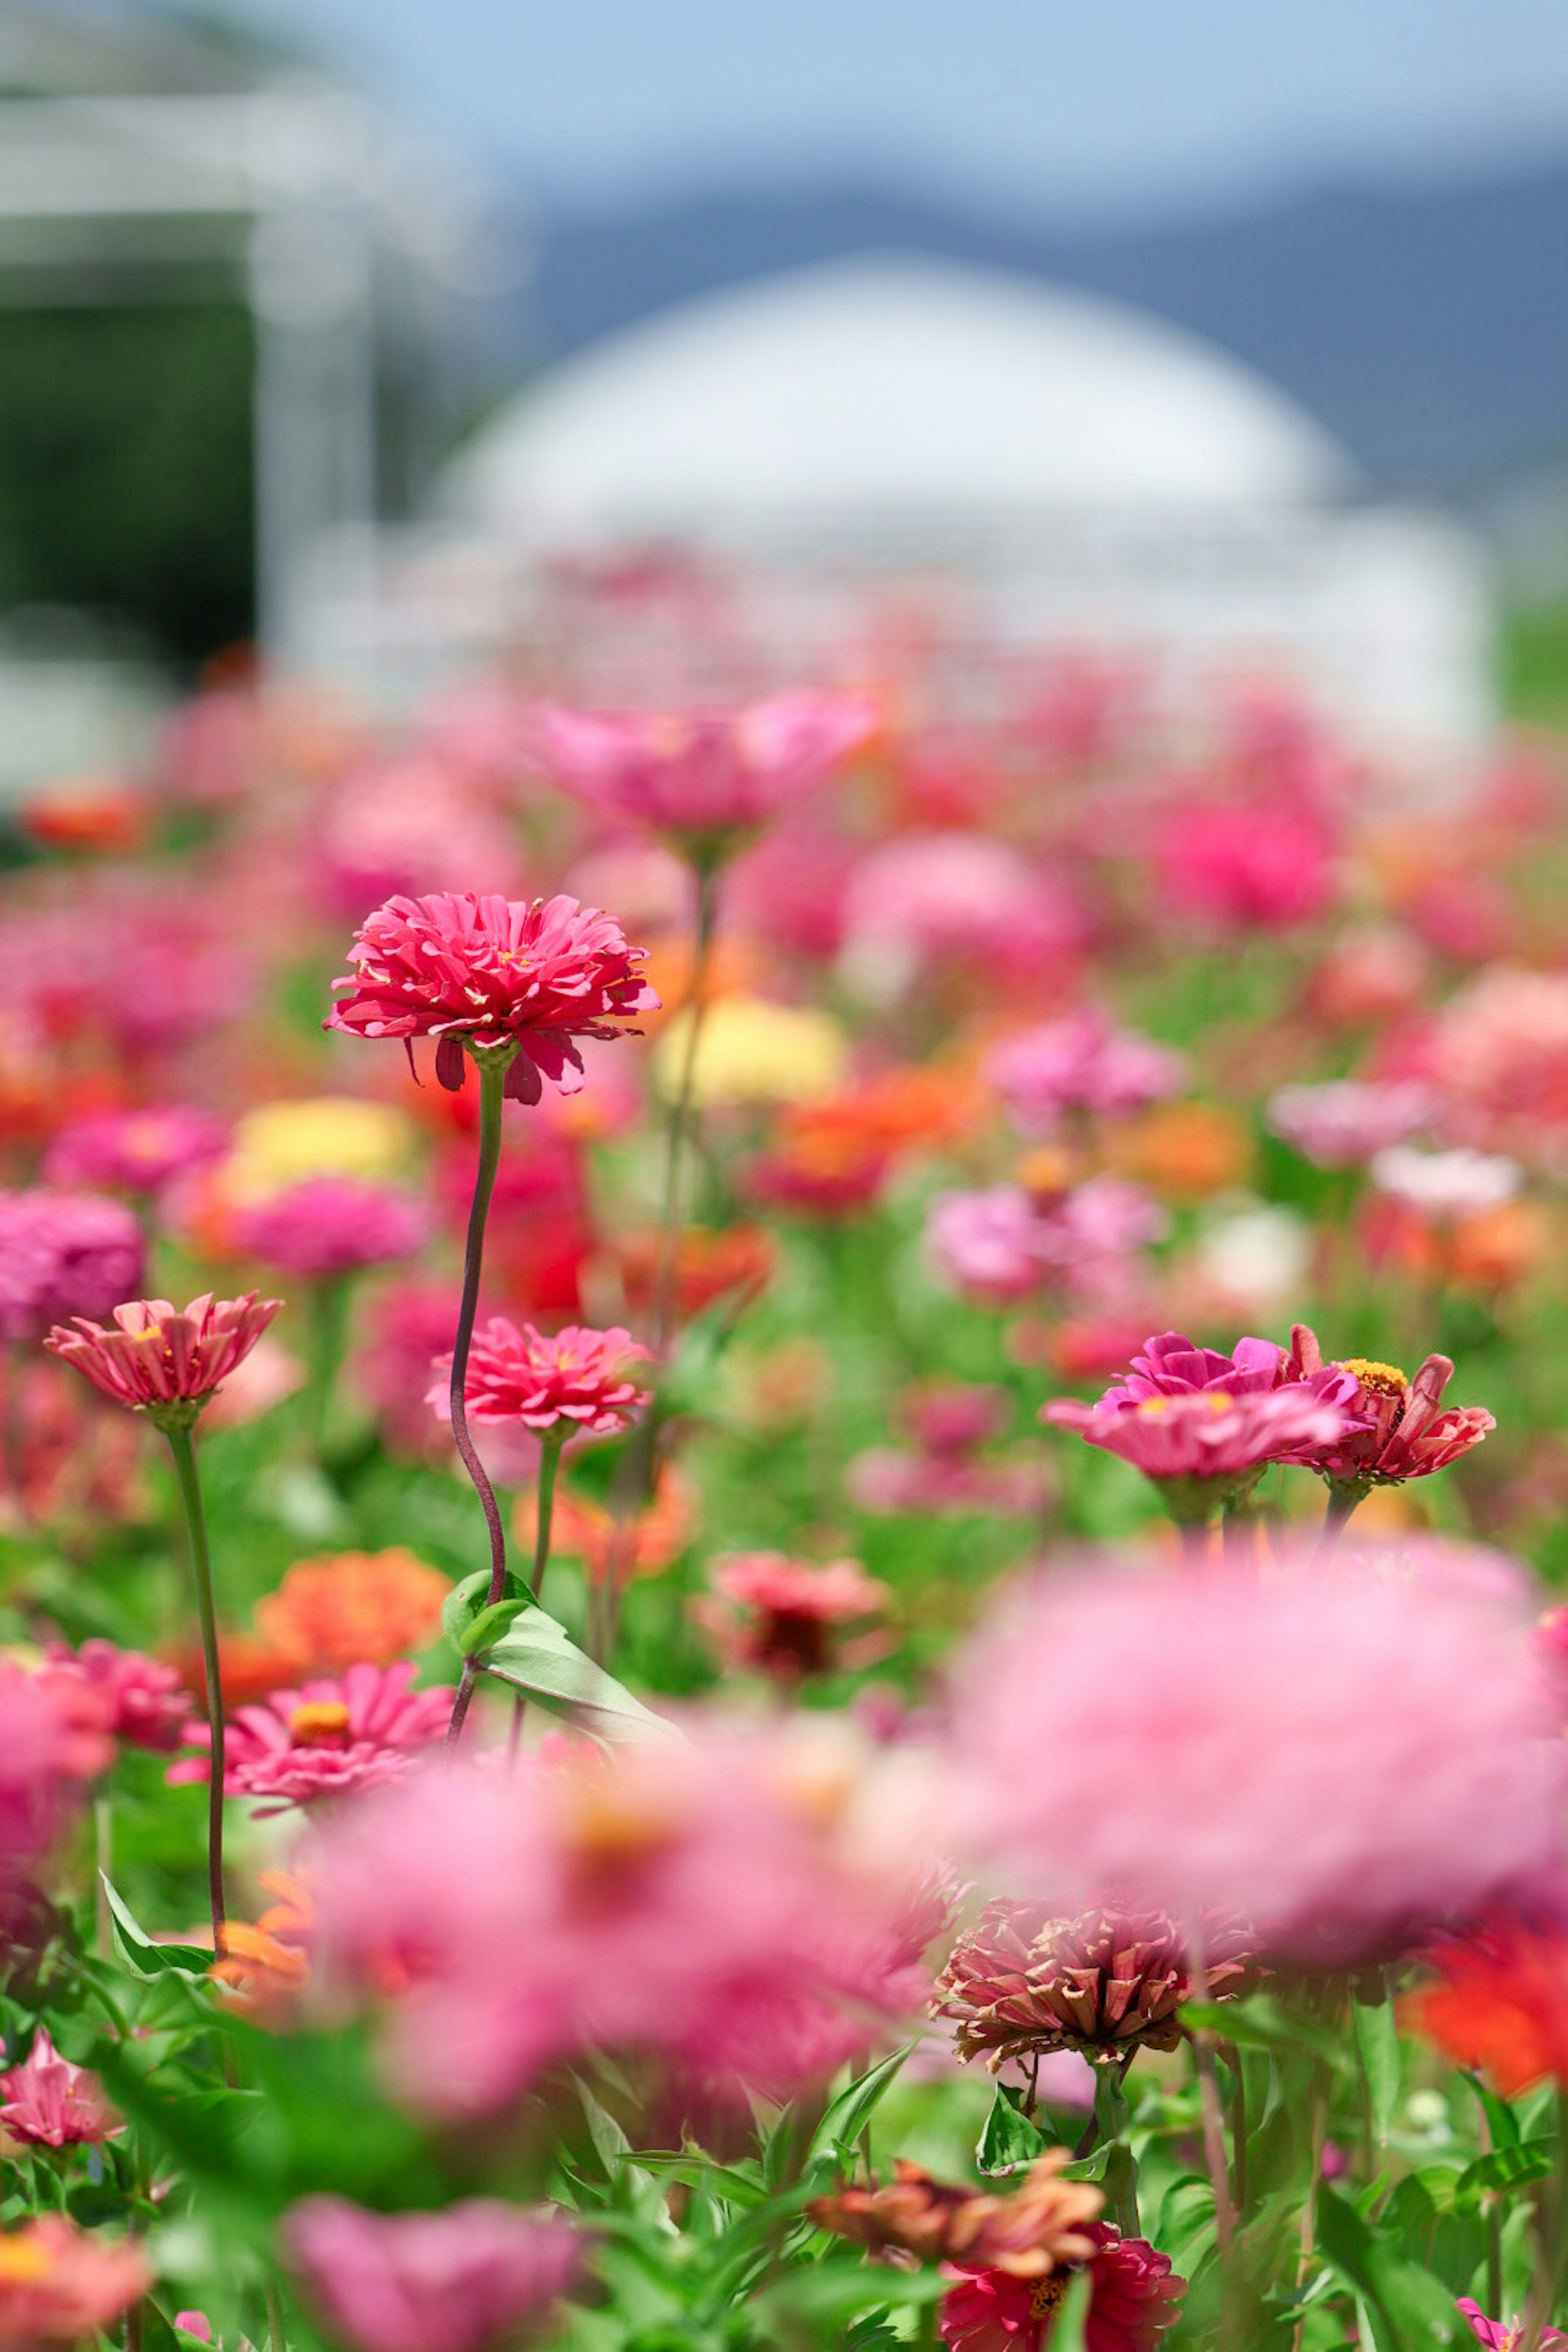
{"x": 409, "y": 825}
{"x": 1368, "y": 976}
{"x": 1134, "y": 2299}
{"x": 329, "y": 1226}
{"x": 1081, "y": 1062}
{"x": 522, "y": 980}
{"x": 330, "y": 1738}
{"x": 57, "y": 1740}
{"x": 467, "y": 2278}
{"x": 1445, "y": 1187}
{"x": 708, "y": 780}
{"x": 1405, "y": 1432}
{"x": 1208, "y": 1440}
{"x": 950, "y": 1421}
{"x": 1245, "y": 868}
{"x": 163, "y": 1360}
{"x": 785, "y": 1618}
{"x": 144, "y": 1702}
{"x": 61, "y": 2285}
{"x": 64, "y": 1254}
{"x": 1345, "y": 1122}
{"x": 572, "y": 1381}
{"x": 265, "y": 1378}
{"x": 134, "y": 1150}
{"x": 955, "y": 1417}
{"x": 737, "y": 1901}
{"x": 1003, "y": 1243}
{"x": 1340, "y": 1757}
{"x": 1501, "y": 1044}
{"x": 49, "y": 2102}
{"x": 926, "y": 896}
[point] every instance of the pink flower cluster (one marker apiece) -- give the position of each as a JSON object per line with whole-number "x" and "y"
{"x": 520, "y": 979}
{"x": 1082, "y": 1062}
{"x": 143, "y": 1702}
{"x": 472, "y": 2277}
{"x": 332, "y": 1226}
{"x": 64, "y": 1254}
{"x": 573, "y": 1381}
{"x": 330, "y": 1738}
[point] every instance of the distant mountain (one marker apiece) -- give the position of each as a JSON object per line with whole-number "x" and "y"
{"x": 1426, "y": 325}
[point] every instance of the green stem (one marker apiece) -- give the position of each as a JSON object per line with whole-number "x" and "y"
{"x": 276, "y": 2335}
{"x": 549, "y": 1463}
{"x": 329, "y": 1327}
{"x": 1552, "y": 2248}
{"x": 1342, "y": 1501}
{"x": 182, "y": 1448}
{"x": 681, "y": 1109}
{"x": 103, "y": 1857}
{"x": 1120, "y": 2170}
{"x": 492, "y": 1077}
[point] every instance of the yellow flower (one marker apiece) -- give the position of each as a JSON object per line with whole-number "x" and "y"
{"x": 751, "y": 1051}
{"x": 281, "y": 1143}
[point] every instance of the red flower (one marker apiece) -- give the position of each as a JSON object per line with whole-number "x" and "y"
{"x": 1499, "y": 2002}
{"x": 162, "y": 1360}
{"x": 576, "y": 1377}
{"x": 1133, "y": 2299}
{"x": 1403, "y": 1431}
{"x": 499, "y": 975}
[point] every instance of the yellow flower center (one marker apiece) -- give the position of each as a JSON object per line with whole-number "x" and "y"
{"x": 317, "y": 1721}
{"x": 1049, "y": 2296}
{"x": 23, "y": 2260}
{"x": 1383, "y": 1380}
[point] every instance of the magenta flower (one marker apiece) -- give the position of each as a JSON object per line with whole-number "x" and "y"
{"x": 781, "y": 1617}
{"x": 1170, "y": 1364}
{"x": 49, "y": 2102}
{"x": 478, "y": 2274}
{"x": 144, "y": 1702}
{"x": 1342, "y": 1758}
{"x": 1209, "y": 1445}
{"x": 1506, "y": 2335}
{"x": 502, "y": 976}
{"x": 1401, "y": 1429}
{"x": 707, "y": 779}
{"x": 1134, "y": 2299}
{"x": 164, "y": 1361}
{"x": 329, "y": 1226}
{"x": 574, "y": 1381}
{"x": 1346, "y": 1122}
{"x": 328, "y": 1738}
{"x": 134, "y": 1150}
{"x": 1080, "y": 1062}
{"x": 1002, "y": 1243}
{"x": 63, "y": 1254}
{"x": 1238, "y": 868}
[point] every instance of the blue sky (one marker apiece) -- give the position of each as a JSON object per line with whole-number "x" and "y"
{"x": 1070, "y": 104}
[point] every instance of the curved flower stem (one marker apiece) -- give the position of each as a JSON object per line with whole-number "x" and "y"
{"x": 1342, "y": 1501}
{"x": 492, "y": 1077}
{"x": 182, "y": 1448}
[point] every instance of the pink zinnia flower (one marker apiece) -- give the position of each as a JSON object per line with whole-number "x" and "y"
{"x": 59, "y": 2285}
{"x": 478, "y": 2274}
{"x": 1080, "y": 1062}
{"x": 707, "y": 778}
{"x": 56, "y": 1740}
{"x": 502, "y": 976}
{"x": 144, "y": 1702}
{"x": 1134, "y": 2298}
{"x": 163, "y": 1360}
{"x": 1210, "y": 1441}
{"x": 1339, "y": 1758}
{"x": 328, "y": 1738}
{"x": 49, "y": 2102}
{"x": 1245, "y": 868}
{"x": 63, "y": 1254}
{"x": 1404, "y": 1431}
{"x": 1346, "y": 1122}
{"x": 1506, "y": 2335}
{"x": 573, "y": 1381}
{"x": 134, "y": 1150}
{"x": 329, "y": 1226}
{"x": 782, "y": 1617}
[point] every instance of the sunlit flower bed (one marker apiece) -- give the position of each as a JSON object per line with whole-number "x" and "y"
{"x": 780, "y": 1489}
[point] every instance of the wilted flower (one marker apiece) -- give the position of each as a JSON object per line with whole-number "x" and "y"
{"x": 332, "y": 1612}
{"x": 783, "y": 1617}
{"x": 163, "y": 1360}
{"x": 1081, "y": 1062}
{"x": 1038, "y": 2229}
{"x": 706, "y": 779}
{"x": 1024, "y": 1980}
{"x": 63, "y": 1254}
{"x": 475, "y": 2275}
{"x": 1446, "y": 1186}
{"x": 49, "y": 2102}
{"x": 327, "y": 1738}
{"x": 1499, "y": 2002}
{"x": 60, "y": 2283}
{"x": 1346, "y": 1122}
{"x": 573, "y": 1383}
{"x": 133, "y": 1151}
{"x": 519, "y": 980}
{"x": 1339, "y": 1758}
{"x": 144, "y": 1702}
{"x": 1400, "y": 1430}
{"x": 329, "y": 1225}
{"x": 1134, "y": 2297}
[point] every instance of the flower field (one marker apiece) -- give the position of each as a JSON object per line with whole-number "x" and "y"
{"x": 783, "y": 1480}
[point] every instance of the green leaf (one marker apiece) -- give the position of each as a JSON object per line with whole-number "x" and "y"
{"x": 141, "y": 1955}
{"x": 469, "y": 1601}
{"x": 1067, "y": 2329}
{"x": 1505, "y": 2168}
{"x": 1376, "y": 2038}
{"x": 521, "y": 1645}
{"x": 836, "y": 2136}
{"x": 1502, "y": 2120}
{"x": 492, "y": 1622}
{"x": 833, "y": 2291}
{"x": 1405, "y": 2306}
{"x": 1009, "y": 2140}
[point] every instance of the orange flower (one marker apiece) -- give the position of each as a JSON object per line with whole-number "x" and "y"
{"x": 739, "y": 1258}
{"x": 332, "y": 1612}
{"x": 1186, "y": 1151}
{"x": 269, "y": 1962}
{"x": 1500, "y": 2002}
{"x": 86, "y": 813}
{"x": 584, "y": 1530}
{"x": 250, "y": 1667}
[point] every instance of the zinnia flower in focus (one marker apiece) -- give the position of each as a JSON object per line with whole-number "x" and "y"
{"x": 1340, "y": 1758}
{"x": 329, "y": 1226}
{"x": 705, "y": 780}
{"x": 1401, "y": 1429}
{"x": 145, "y": 1703}
{"x": 327, "y": 1738}
{"x": 519, "y": 980}
{"x": 1134, "y": 2298}
{"x": 1506, "y": 2335}
{"x": 571, "y": 1382}
{"x": 60, "y": 2283}
{"x": 1208, "y": 1448}
{"x": 63, "y": 1255}
{"x": 1039, "y": 2229}
{"x": 475, "y": 2275}
{"x": 163, "y": 1361}
{"x": 1498, "y": 2002}
{"x": 785, "y": 1618}
{"x": 330, "y": 1612}
{"x": 1082, "y": 1062}
{"x": 1023, "y": 1981}
{"x": 49, "y": 2102}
